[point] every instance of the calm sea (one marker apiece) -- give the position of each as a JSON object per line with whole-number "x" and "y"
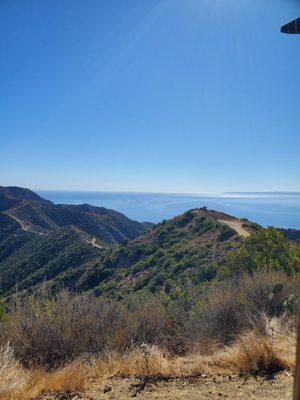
{"x": 276, "y": 209}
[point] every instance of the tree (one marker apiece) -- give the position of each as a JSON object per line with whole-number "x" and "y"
{"x": 267, "y": 250}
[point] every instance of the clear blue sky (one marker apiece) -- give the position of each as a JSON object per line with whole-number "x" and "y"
{"x": 149, "y": 95}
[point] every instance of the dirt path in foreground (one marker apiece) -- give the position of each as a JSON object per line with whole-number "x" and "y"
{"x": 237, "y": 226}
{"x": 210, "y": 389}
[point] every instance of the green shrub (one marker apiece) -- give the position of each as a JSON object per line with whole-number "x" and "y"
{"x": 266, "y": 250}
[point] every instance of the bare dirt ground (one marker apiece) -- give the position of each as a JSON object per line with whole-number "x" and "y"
{"x": 95, "y": 244}
{"x": 230, "y": 388}
{"x": 237, "y": 226}
{"x": 24, "y": 226}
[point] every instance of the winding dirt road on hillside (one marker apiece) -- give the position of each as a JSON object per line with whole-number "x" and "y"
{"x": 24, "y": 227}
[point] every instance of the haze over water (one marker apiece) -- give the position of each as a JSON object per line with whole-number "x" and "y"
{"x": 276, "y": 209}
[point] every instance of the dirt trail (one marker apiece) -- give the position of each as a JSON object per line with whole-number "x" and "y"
{"x": 24, "y": 227}
{"x": 95, "y": 244}
{"x": 237, "y": 226}
{"x": 230, "y": 388}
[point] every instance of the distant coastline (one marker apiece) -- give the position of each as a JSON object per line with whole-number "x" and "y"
{"x": 280, "y": 209}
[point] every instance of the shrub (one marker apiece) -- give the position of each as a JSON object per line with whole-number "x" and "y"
{"x": 147, "y": 321}
{"x": 257, "y": 288}
{"x": 233, "y": 307}
{"x": 265, "y": 249}
{"x": 218, "y": 317}
{"x": 185, "y": 218}
{"x": 52, "y": 331}
{"x": 226, "y": 233}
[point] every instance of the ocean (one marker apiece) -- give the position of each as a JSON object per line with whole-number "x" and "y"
{"x": 275, "y": 209}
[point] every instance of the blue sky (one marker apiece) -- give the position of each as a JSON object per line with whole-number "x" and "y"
{"x": 149, "y": 95}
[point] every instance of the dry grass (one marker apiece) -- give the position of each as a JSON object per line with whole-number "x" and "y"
{"x": 72, "y": 341}
{"x": 254, "y": 355}
{"x": 251, "y": 354}
{"x": 17, "y": 383}
{"x": 150, "y": 361}
{"x": 12, "y": 375}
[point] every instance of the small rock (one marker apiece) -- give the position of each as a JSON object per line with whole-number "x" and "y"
{"x": 107, "y": 389}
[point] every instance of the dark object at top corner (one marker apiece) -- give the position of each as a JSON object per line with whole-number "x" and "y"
{"x": 292, "y": 27}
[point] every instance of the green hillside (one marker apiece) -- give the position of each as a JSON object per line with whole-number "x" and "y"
{"x": 87, "y": 248}
{"x": 12, "y": 196}
{"x": 41, "y": 258}
{"x": 191, "y": 246}
{"x": 23, "y": 210}
{"x": 291, "y": 234}
{"x": 194, "y": 248}
{"x": 40, "y": 240}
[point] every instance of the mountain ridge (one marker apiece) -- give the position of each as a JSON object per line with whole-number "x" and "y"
{"x": 22, "y": 209}
{"x": 84, "y": 247}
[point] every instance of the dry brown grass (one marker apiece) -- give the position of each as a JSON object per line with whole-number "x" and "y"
{"x": 254, "y": 355}
{"x": 17, "y": 383}
{"x": 251, "y": 354}
{"x": 151, "y": 362}
{"x": 12, "y": 375}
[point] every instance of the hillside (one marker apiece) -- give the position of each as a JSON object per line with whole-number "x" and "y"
{"x": 35, "y": 260}
{"x": 170, "y": 310}
{"x": 107, "y": 225}
{"x": 291, "y": 234}
{"x": 40, "y": 240}
{"x": 23, "y": 210}
{"x": 191, "y": 247}
{"x": 77, "y": 247}
{"x": 13, "y": 196}
{"x": 87, "y": 248}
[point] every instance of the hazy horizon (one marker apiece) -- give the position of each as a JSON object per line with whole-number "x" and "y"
{"x": 277, "y": 209}
{"x": 161, "y": 192}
